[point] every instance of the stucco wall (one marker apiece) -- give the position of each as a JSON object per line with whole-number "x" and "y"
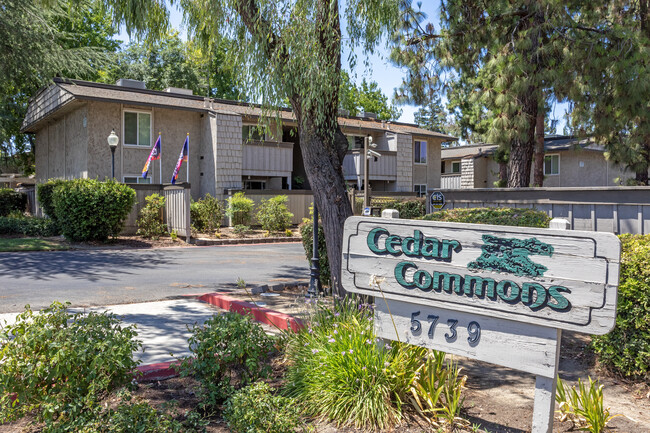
{"x": 207, "y": 165}
{"x": 129, "y": 160}
{"x": 41, "y": 153}
{"x": 76, "y": 144}
{"x": 429, "y": 173}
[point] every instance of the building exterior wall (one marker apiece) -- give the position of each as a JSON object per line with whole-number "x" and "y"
{"x": 229, "y": 153}
{"x": 427, "y": 174}
{"x": 102, "y": 118}
{"x": 467, "y": 173}
{"x": 207, "y": 166}
{"x": 481, "y": 173}
{"x": 41, "y": 153}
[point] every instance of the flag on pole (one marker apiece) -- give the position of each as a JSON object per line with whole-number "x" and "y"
{"x": 182, "y": 157}
{"x": 155, "y": 154}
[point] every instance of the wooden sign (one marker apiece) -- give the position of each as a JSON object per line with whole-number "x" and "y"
{"x": 553, "y": 278}
{"x": 494, "y": 293}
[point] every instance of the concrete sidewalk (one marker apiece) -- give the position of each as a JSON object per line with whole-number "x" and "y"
{"x": 162, "y": 326}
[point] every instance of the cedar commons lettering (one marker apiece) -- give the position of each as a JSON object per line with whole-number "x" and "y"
{"x": 531, "y": 294}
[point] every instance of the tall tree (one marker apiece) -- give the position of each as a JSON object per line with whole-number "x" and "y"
{"x": 288, "y": 51}
{"x": 612, "y": 81}
{"x": 366, "y": 97}
{"x": 170, "y": 62}
{"x": 432, "y": 116}
{"x": 39, "y": 39}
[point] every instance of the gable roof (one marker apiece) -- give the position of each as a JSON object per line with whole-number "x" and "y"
{"x": 552, "y": 143}
{"x": 63, "y": 94}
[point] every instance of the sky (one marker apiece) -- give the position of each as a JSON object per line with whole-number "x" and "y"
{"x": 387, "y": 76}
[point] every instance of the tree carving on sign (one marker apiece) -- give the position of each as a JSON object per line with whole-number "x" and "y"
{"x": 511, "y": 255}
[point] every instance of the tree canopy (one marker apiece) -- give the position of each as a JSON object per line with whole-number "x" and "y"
{"x": 366, "y": 97}
{"x": 66, "y": 38}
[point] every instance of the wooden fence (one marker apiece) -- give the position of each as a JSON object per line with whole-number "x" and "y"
{"x": 177, "y": 207}
{"x": 605, "y": 209}
{"x": 298, "y": 201}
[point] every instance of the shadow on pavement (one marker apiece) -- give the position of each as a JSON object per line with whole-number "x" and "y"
{"x": 84, "y": 265}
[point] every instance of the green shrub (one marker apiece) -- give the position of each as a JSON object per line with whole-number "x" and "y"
{"x": 274, "y": 215}
{"x": 627, "y": 348}
{"x": 307, "y": 235}
{"x": 241, "y": 230}
{"x": 28, "y": 226}
{"x": 45, "y": 192}
{"x": 496, "y": 216}
{"x": 240, "y": 209}
{"x": 584, "y": 407}
{"x": 11, "y": 201}
{"x": 150, "y": 221}
{"x": 254, "y": 409}
{"x": 206, "y": 214}
{"x": 59, "y": 365}
{"x": 229, "y": 351}
{"x": 88, "y": 210}
{"x": 408, "y": 209}
{"x": 338, "y": 371}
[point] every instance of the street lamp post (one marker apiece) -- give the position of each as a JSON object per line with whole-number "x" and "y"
{"x": 113, "y": 139}
{"x": 315, "y": 287}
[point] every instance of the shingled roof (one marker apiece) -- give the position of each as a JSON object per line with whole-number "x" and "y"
{"x": 64, "y": 94}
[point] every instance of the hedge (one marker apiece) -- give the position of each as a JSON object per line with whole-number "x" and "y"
{"x": 11, "y": 201}
{"x": 496, "y": 216}
{"x": 90, "y": 210}
{"x": 626, "y": 349}
{"x": 28, "y": 226}
{"x": 45, "y": 192}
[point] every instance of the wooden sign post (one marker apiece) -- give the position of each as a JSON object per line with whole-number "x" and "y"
{"x": 493, "y": 293}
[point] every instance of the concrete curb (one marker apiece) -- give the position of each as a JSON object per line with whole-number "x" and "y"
{"x": 167, "y": 370}
{"x": 159, "y": 371}
{"x": 202, "y": 242}
{"x": 260, "y": 314}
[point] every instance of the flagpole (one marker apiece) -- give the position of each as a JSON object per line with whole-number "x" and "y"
{"x": 160, "y": 158}
{"x": 187, "y": 178}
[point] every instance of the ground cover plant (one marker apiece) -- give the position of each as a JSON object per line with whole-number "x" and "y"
{"x": 59, "y": 365}
{"x": 496, "y": 216}
{"x": 626, "y": 349}
{"x": 150, "y": 221}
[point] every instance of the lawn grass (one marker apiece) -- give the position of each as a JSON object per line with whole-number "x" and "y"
{"x": 29, "y": 244}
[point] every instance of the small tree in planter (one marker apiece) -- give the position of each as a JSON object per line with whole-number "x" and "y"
{"x": 240, "y": 209}
{"x": 150, "y": 221}
{"x": 273, "y": 214}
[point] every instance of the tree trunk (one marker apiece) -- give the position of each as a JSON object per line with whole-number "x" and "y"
{"x": 324, "y": 171}
{"x": 521, "y": 151}
{"x": 503, "y": 174}
{"x": 539, "y": 150}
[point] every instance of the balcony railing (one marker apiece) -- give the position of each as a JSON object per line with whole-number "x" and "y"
{"x": 450, "y": 181}
{"x": 265, "y": 158}
{"x": 384, "y": 168}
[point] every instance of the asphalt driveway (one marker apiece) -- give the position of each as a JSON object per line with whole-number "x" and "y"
{"x": 106, "y": 277}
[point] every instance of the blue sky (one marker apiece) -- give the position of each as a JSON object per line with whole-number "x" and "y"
{"x": 387, "y": 76}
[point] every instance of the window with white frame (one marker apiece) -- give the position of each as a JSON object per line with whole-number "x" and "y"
{"x": 251, "y": 133}
{"x": 551, "y": 165}
{"x": 420, "y": 152}
{"x": 137, "y": 179}
{"x": 137, "y": 128}
{"x": 455, "y": 167}
{"x": 420, "y": 190}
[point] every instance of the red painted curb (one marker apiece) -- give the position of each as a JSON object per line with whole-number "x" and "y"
{"x": 159, "y": 371}
{"x": 260, "y": 314}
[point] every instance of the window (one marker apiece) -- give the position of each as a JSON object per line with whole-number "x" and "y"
{"x": 551, "y": 165}
{"x": 254, "y": 184}
{"x": 137, "y": 179}
{"x": 420, "y": 190}
{"x": 455, "y": 167}
{"x": 251, "y": 133}
{"x": 420, "y": 149}
{"x": 442, "y": 167}
{"x": 355, "y": 142}
{"x": 137, "y": 128}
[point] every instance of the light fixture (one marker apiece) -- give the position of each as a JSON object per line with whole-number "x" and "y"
{"x": 113, "y": 139}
